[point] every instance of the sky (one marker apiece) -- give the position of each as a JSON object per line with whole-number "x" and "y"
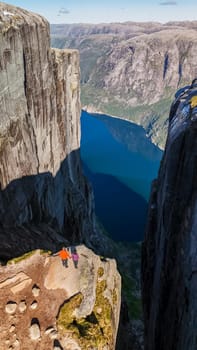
{"x": 105, "y": 11}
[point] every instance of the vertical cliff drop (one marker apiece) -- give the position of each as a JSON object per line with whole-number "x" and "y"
{"x": 40, "y": 170}
{"x": 169, "y": 257}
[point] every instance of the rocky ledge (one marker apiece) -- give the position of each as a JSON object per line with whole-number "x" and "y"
{"x": 46, "y": 305}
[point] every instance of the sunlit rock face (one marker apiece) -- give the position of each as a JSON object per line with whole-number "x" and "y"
{"x": 40, "y": 169}
{"x": 169, "y": 262}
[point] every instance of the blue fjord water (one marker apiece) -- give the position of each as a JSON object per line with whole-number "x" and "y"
{"x": 120, "y": 162}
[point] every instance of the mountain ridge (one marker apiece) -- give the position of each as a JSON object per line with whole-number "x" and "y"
{"x": 132, "y": 70}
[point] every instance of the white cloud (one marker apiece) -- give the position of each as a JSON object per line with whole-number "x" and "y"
{"x": 168, "y": 3}
{"x": 63, "y": 11}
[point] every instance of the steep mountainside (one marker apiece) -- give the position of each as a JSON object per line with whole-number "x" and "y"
{"x": 169, "y": 259}
{"x": 132, "y": 69}
{"x": 40, "y": 169}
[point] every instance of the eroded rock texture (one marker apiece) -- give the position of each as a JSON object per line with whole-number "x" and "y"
{"x": 169, "y": 266}
{"x": 40, "y": 169}
{"x": 59, "y": 308}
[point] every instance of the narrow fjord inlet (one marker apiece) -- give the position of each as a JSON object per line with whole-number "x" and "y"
{"x": 120, "y": 162}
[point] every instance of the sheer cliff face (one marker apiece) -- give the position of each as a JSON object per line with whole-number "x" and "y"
{"x": 141, "y": 69}
{"x": 169, "y": 263}
{"x": 40, "y": 171}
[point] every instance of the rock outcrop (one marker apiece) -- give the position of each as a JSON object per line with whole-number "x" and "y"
{"x": 132, "y": 69}
{"x": 40, "y": 170}
{"x": 169, "y": 259}
{"x": 59, "y": 308}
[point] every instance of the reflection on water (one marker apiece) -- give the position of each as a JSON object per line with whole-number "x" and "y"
{"x": 120, "y": 162}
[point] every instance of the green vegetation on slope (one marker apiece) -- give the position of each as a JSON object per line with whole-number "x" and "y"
{"x": 154, "y": 117}
{"x": 26, "y": 256}
{"x": 95, "y": 330}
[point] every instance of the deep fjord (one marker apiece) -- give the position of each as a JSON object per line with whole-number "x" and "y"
{"x": 120, "y": 162}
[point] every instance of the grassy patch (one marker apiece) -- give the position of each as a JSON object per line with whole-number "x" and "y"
{"x": 95, "y": 330}
{"x": 100, "y": 272}
{"x": 20, "y": 258}
{"x": 26, "y": 256}
{"x": 65, "y": 316}
{"x": 154, "y": 117}
{"x": 134, "y": 303}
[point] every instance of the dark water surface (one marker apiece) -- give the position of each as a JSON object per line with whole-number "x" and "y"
{"x": 120, "y": 162}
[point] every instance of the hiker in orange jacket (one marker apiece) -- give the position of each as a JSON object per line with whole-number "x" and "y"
{"x": 64, "y": 255}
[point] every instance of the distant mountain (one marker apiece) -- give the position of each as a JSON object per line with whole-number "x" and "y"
{"x": 132, "y": 69}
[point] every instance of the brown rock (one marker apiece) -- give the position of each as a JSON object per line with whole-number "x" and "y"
{"x": 10, "y": 307}
{"x": 96, "y": 281}
{"x": 22, "y": 306}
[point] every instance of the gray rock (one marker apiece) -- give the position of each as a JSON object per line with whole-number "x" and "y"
{"x": 169, "y": 262}
{"x": 40, "y": 167}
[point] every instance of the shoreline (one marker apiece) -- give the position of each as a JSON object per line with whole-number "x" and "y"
{"x": 112, "y": 116}
{"x": 121, "y": 118}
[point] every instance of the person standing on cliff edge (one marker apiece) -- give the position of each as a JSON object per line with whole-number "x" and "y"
{"x": 75, "y": 257}
{"x": 64, "y": 255}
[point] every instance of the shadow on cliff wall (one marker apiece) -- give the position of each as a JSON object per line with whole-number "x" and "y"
{"x": 42, "y": 211}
